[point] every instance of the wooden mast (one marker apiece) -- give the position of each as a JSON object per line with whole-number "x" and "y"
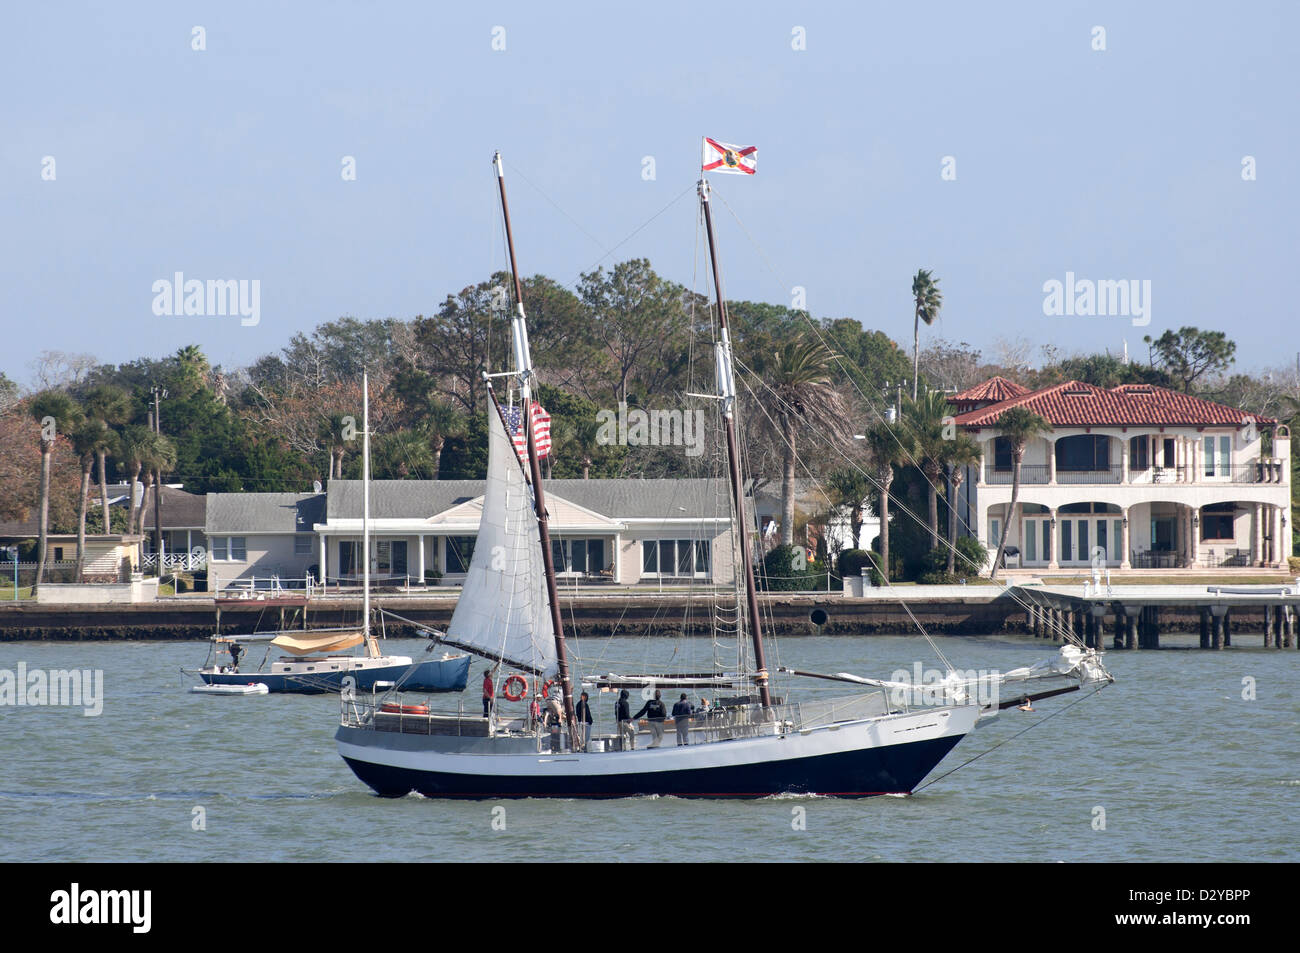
{"x": 727, "y": 391}
{"x": 524, "y": 368}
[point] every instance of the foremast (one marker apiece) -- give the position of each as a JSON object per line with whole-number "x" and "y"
{"x": 372, "y": 647}
{"x": 524, "y": 371}
{"x": 727, "y": 394}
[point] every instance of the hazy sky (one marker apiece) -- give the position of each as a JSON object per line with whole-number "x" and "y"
{"x": 226, "y": 163}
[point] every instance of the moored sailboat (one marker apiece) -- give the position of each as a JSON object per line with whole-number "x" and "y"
{"x": 316, "y": 662}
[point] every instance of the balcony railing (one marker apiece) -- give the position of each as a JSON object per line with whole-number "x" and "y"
{"x": 1030, "y": 473}
{"x": 1111, "y": 474}
{"x": 1261, "y": 471}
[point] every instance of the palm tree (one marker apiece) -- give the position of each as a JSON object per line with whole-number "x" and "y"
{"x": 88, "y": 440}
{"x": 799, "y": 379}
{"x": 440, "y": 421}
{"x": 57, "y": 414}
{"x": 925, "y": 416}
{"x": 849, "y": 488}
{"x": 161, "y": 457}
{"x": 1019, "y": 425}
{"x": 132, "y": 446}
{"x": 401, "y": 455}
{"x": 886, "y": 447}
{"x": 962, "y": 452}
{"x": 928, "y": 300}
{"x": 332, "y": 432}
{"x": 110, "y": 407}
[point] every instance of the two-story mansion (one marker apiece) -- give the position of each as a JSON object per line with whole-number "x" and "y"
{"x": 1145, "y": 477}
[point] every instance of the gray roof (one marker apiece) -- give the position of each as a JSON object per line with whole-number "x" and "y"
{"x": 616, "y": 499}
{"x": 264, "y": 512}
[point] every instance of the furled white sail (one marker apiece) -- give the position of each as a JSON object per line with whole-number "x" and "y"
{"x": 503, "y": 610}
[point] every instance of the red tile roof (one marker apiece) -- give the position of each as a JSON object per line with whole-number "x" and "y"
{"x": 1076, "y": 404}
{"x": 992, "y": 391}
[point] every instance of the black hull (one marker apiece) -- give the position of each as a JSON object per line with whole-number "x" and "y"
{"x": 895, "y": 769}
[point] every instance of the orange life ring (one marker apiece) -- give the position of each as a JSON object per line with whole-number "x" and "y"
{"x": 396, "y": 709}
{"x": 515, "y": 693}
{"x": 546, "y": 689}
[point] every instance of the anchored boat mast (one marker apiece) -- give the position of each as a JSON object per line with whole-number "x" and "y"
{"x": 727, "y": 392}
{"x": 524, "y": 368}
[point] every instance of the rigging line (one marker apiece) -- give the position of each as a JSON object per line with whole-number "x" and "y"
{"x": 673, "y": 201}
{"x": 1042, "y": 721}
{"x": 517, "y": 170}
{"x": 1011, "y": 593}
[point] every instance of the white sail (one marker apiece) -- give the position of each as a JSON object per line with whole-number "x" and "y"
{"x": 503, "y": 610}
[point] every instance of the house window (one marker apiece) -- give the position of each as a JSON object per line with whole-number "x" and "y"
{"x": 238, "y": 551}
{"x": 1031, "y": 542}
{"x": 58, "y": 554}
{"x": 1083, "y": 452}
{"x": 302, "y": 544}
{"x": 1002, "y": 455}
{"x": 1216, "y": 522}
{"x": 675, "y": 557}
{"x": 347, "y": 557}
{"x": 1139, "y": 459}
{"x": 1217, "y": 464}
{"x": 460, "y": 550}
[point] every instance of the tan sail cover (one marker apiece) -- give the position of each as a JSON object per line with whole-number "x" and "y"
{"x": 503, "y": 611}
{"x": 309, "y": 644}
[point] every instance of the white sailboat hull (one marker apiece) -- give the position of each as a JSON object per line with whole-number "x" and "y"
{"x": 884, "y": 755}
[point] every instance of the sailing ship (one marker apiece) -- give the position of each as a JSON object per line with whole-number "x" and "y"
{"x": 317, "y": 662}
{"x": 752, "y": 743}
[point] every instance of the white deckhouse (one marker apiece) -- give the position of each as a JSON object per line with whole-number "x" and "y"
{"x": 1138, "y": 476}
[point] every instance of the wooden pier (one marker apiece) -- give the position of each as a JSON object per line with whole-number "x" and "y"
{"x": 1135, "y": 615}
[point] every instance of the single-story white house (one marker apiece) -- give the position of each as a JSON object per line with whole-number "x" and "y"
{"x": 619, "y": 531}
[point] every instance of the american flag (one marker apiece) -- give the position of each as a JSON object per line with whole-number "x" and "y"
{"x": 541, "y": 431}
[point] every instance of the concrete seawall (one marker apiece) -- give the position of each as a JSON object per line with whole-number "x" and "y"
{"x": 596, "y": 615}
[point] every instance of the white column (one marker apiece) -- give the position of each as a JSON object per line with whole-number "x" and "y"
{"x": 1124, "y": 561}
{"x": 1123, "y": 458}
{"x": 324, "y": 549}
{"x": 1052, "y": 562}
{"x": 1279, "y": 551}
{"x": 1051, "y": 462}
{"x": 420, "y": 562}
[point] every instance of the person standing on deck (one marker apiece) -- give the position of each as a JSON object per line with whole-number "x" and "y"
{"x": 682, "y": 720}
{"x": 626, "y": 726}
{"x": 582, "y": 711}
{"x": 489, "y": 692}
{"x": 655, "y": 713}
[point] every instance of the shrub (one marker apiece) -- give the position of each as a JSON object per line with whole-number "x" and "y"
{"x": 780, "y": 575}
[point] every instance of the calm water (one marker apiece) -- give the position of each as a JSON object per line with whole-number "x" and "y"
{"x": 1184, "y": 769}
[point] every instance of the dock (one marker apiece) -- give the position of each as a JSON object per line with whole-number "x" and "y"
{"x": 1136, "y": 614}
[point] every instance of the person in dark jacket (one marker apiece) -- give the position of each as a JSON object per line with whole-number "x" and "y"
{"x": 582, "y": 712}
{"x": 626, "y": 726}
{"x": 682, "y": 720}
{"x": 655, "y": 713}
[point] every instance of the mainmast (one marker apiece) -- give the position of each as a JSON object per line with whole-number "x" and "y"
{"x": 524, "y": 369}
{"x": 727, "y": 392}
{"x": 372, "y": 648}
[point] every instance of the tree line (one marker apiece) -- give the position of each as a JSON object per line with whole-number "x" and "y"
{"x": 626, "y": 335}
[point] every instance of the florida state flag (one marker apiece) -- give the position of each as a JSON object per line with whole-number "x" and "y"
{"x": 724, "y": 157}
